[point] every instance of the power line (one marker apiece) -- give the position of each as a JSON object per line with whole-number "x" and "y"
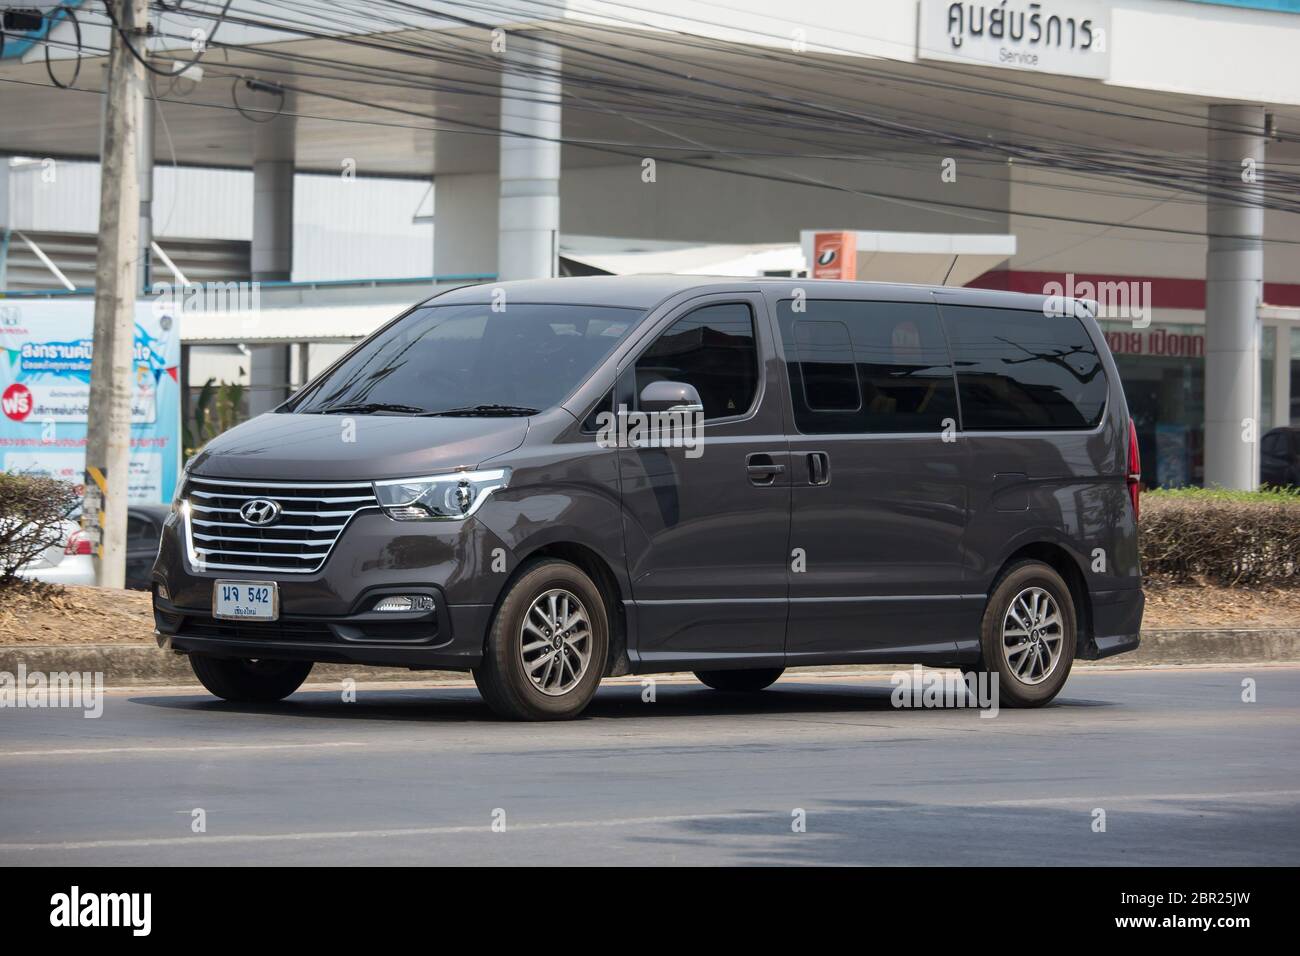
{"x": 795, "y": 116}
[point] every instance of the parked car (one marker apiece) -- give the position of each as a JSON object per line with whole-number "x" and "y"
{"x": 1279, "y": 457}
{"x": 67, "y": 559}
{"x": 864, "y": 473}
{"x": 70, "y": 560}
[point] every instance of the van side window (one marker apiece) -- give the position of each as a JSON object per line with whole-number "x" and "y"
{"x": 830, "y": 375}
{"x": 712, "y": 348}
{"x": 867, "y": 367}
{"x": 1024, "y": 369}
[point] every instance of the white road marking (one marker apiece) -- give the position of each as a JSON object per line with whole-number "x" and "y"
{"x": 1140, "y": 798}
{"x": 485, "y": 828}
{"x": 191, "y": 748}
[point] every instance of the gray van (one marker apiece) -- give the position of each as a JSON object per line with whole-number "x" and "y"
{"x": 550, "y": 482}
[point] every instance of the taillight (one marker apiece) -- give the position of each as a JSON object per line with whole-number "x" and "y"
{"x": 1134, "y": 478}
{"x": 78, "y": 543}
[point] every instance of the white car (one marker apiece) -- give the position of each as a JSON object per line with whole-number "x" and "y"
{"x": 68, "y": 560}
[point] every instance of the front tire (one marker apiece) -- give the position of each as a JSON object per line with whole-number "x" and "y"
{"x": 546, "y": 652}
{"x": 249, "y": 681}
{"x": 1028, "y": 634}
{"x": 744, "y": 681}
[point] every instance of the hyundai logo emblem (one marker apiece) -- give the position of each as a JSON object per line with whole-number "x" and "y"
{"x": 260, "y": 511}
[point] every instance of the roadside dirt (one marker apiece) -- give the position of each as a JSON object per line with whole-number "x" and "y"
{"x": 1193, "y": 607}
{"x": 33, "y": 613}
{"x": 40, "y": 614}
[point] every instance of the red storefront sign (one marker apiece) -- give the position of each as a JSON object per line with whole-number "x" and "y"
{"x": 1158, "y": 342}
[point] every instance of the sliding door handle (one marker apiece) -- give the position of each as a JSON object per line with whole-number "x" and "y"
{"x": 762, "y": 470}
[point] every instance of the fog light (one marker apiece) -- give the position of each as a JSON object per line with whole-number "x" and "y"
{"x": 164, "y": 594}
{"x": 404, "y": 602}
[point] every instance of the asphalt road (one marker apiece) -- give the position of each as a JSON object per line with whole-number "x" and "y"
{"x": 1186, "y": 773}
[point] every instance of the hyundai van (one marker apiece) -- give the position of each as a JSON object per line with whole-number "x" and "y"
{"x": 549, "y": 482}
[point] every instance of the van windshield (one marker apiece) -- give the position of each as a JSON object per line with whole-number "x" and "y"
{"x": 470, "y": 360}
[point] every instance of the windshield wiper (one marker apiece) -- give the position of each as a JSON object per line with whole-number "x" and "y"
{"x": 489, "y": 409}
{"x": 369, "y": 408}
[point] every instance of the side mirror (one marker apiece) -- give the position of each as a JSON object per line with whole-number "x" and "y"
{"x": 670, "y": 397}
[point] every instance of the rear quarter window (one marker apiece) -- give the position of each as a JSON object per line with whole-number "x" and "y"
{"x": 1024, "y": 370}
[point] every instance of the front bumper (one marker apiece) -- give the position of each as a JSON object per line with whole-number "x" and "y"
{"x": 328, "y": 615}
{"x": 445, "y": 638}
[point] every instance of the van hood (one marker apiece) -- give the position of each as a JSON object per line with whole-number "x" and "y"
{"x": 294, "y": 447}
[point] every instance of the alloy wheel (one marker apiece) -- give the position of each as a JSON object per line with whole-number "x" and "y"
{"x": 555, "y": 642}
{"x": 1032, "y": 636}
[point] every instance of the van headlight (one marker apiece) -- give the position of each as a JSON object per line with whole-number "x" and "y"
{"x": 178, "y": 495}
{"x": 439, "y": 497}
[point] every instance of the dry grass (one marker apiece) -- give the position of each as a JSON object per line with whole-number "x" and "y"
{"x": 35, "y": 613}
{"x": 1206, "y": 606}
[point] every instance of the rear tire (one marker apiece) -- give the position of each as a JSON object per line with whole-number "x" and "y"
{"x": 249, "y": 681}
{"x": 546, "y": 651}
{"x": 745, "y": 681}
{"x": 1028, "y": 634}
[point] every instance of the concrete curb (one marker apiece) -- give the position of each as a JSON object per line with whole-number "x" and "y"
{"x": 136, "y": 664}
{"x": 1236, "y": 646}
{"x": 132, "y": 664}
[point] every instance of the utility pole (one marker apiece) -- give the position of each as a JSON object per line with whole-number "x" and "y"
{"x": 108, "y": 425}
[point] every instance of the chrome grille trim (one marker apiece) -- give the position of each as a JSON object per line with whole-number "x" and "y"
{"x": 299, "y": 543}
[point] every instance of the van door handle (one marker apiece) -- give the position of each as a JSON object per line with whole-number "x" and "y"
{"x": 762, "y": 469}
{"x": 819, "y": 468}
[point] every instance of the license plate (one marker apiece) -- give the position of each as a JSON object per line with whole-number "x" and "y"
{"x": 245, "y": 600}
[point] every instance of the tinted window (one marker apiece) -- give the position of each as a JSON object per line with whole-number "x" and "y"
{"x": 140, "y": 530}
{"x": 713, "y": 349}
{"x": 1024, "y": 370}
{"x": 859, "y": 367}
{"x": 458, "y": 356}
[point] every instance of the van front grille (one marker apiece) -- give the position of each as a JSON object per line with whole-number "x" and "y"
{"x": 298, "y": 541}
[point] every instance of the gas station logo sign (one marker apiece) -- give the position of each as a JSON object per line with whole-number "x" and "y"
{"x": 835, "y": 255}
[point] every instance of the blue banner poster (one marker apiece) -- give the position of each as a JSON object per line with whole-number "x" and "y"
{"x": 45, "y": 392}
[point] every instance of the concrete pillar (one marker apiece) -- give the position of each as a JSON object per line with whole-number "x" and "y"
{"x": 144, "y": 159}
{"x": 274, "y": 148}
{"x": 465, "y": 224}
{"x": 272, "y": 252}
{"x": 528, "y": 216}
{"x": 1234, "y": 274}
{"x": 269, "y": 370}
{"x": 5, "y": 223}
{"x": 274, "y": 145}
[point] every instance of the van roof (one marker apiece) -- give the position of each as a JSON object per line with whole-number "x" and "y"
{"x": 647, "y": 291}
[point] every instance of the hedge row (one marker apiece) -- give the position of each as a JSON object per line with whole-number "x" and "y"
{"x": 1211, "y": 536}
{"x": 32, "y": 511}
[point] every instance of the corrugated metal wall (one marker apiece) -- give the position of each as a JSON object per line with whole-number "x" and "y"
{"x": 344, "y": 229}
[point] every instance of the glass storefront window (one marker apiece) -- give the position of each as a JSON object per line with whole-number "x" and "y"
{"x": 1162, "y": 369}
{"x": 1267, "y": 358}
{"x": 1295, "y": 375}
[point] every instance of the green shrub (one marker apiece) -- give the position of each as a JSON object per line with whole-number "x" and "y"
{"x": 1216, "y": 536}
{"x": 32, "y": 511}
